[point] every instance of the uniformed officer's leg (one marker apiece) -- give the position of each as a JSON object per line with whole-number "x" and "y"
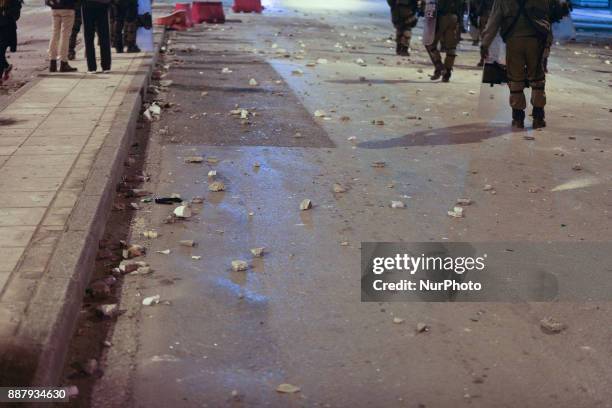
{"x": 131, "y": 26}
{"x": 483, "y": 23}
{"x": 537, "y": 80}
{"x": 515, "y": 64}
{"x": 118, "y": 21}
{"x": 450, "y": 41}
{"x": 436, "y": 58}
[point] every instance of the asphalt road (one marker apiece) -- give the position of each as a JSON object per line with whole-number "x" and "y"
{"x": 223, "y": 338}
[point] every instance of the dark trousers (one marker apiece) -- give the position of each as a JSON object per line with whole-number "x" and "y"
{"x": 75, "y": 30}
{"x": 3, "y": 61}
{"x": 95, "y": 21}
{"x": 125, "y": 14}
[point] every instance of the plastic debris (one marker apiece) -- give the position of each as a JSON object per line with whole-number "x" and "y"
{"x": 168, "y": 200}
{"x": 182, "y": 211}
{"x": 108, "y": 311}
{"x": 151, "y": 300}
{"x": 287, "y": 389}
{"x": 150, "y": 234}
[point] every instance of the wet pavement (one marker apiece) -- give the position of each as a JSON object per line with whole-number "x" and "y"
{"x": 224, "y": 338}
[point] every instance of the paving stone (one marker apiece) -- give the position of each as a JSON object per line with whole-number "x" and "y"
{"x": 21, "y": 216}
{"x": 11, "y": 237}
{"x": 9, "y": 258}
{"x": 57, "y": 217}
{"x": 66, "y": 198}
{"x": 16, "y": 199}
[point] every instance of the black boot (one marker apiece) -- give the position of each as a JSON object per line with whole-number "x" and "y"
{"x": 71, "y": 55}
{"x": 447, "y": 75}
{"x": 64, "y": 67}
{"x": 518, "y": 118}
{"x": 53, "y": 66}
{"x": 133, "y": 48}
{"x": 538, "y": 118}
{"x": 438, "y": 72}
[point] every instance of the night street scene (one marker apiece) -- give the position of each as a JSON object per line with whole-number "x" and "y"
{"x": 306, "y": 203}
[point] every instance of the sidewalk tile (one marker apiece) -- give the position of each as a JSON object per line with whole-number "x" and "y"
{"x": 19, "y": 290}
{"x": 35, "y": 261}
{"x": 30, "y": 185}
{"x": 14, "y": 132}
{"x": 50, "y": 160}
{"x": 9, "y": 257}
{"x": 35, "y": 170}
{"x": 12, "y": 140}
{"x": 15, "y": 237}
{"x": 7, "y": 150}
{"x": 21, "y": 216}
{"x": 46, "y": 150}
{"x": 66, "y": 198}
{"x": 57, "y": 217}
{"x": 16, "y": 199}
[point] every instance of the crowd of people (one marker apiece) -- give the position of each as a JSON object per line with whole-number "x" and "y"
{"x": 114, "y": 22}
{"x": 525, "y": 26}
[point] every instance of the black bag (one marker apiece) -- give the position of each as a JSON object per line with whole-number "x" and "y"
{"x": 494, "y": 74}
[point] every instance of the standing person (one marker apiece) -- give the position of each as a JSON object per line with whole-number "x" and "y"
{"x": 125, "y": 25}
{"x": 447, "y": 17}
{"x": 526, "y": 29}
{"x": 404, "y": 18}
{"x": 62, "y": 12}
{"x": 75, "y": 31}
{"x": 95, "y": 21}
{"x": 10, "y": 11}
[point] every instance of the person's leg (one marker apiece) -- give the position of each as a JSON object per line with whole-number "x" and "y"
{"x": 434, "y": 55}
{"x": 131, "y": 26}
{"x": 67, "y": 18}
{"x": 117, "y": 24}
{"x": 102, "y": 27}
{"x": 449, "y": 41}
{"x": 407, "y": 20}
{"x": 3, "y": 61}
{"x": 76, "y": 27}
{"x": 89, "y": 31}
{"x": 515, "y": 65}
{"x": 55, "y": 39}
{"x": 534, "y": 52}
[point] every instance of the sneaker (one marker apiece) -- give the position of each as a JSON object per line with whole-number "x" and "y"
{"x": 133, "y": 48}
{"x": 91, "y": 72}
{"x": 106, "y": 71}
{"x": 65, "y": 67}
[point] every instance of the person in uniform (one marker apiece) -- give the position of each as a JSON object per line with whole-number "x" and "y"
{"x": 76, "y": 27}
{"x": 404, "y": 18}
{"x": 447, "y": 15}
{"x": 124, "y": 23}
{"x": 526, "y": 29}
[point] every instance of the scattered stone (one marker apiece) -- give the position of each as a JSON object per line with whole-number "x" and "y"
{"x": 258, "y": 252}
{"x": 182, "y": 211}
{"x": 306, "y": 204}
{"x": 212, "y": 160}
{"x": 287, "y": 389}
{"x": 187, "y": 243}
{"x": 338, "y": 188}
{"x": 398, "y": 320}
{"x": 379, "y": 164}
{"x": 422, "y": 327}
{"x": 151, "y": 300}
{"x": 194, "y": 159}
{"x": 551, "y": 326}
{"x": 253, "y": 82}
{"x": 577, "y": 167}
{"x": 108, "y": 311}
{"x": 320, "y": 113}
{"x": 129, "y": 266}
{"x": 456, "y": 212}
{"x": 239, "y": 266}
{"x": 134, "y": 251}
{"x": 487, "y": 187}
{"x": 226, "y": 71}
{"x": 150, "y": 234}
{"x": 196, "y": 257}
{"x": 143, "y": 270}
{"x": 398, "y": 204}
{"x": 197, "y": 200}
{"x": 100, "y": 289}
{"x": 164, "y": 252}
{"x": 464, "y": 201}
{"x": 216, "y": 186}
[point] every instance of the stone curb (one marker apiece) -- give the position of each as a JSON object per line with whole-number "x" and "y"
{"x": 35, "y": 356}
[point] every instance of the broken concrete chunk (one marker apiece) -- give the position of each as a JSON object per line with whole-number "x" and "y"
{"x": 422, "y": 327}
{"x": 216, "y": 186}
{"x": 398, "y": 204}
{"x": 577, "y": 167}
{"x": 398, "y": 320}
{"x": 212, "y": 174}
{"x": 151, "y": 300}
{"x": 338, "y": 188}
{"x": 306, "y": 204}
{"x": 182, "y": 211}
{"x": 552, "y": 326}
{"x": 108, "y": 311}
{"x": 239, "y": 266}
{"x": 194, "y": 159}
{"x": 456, "y": 212}
{"x": 212, "y": 160}
{"x": 464, "y": 201}
{"x": 258, "y": 252}
{"x": 134, "y": 251}
{"x": 287, "y": 389}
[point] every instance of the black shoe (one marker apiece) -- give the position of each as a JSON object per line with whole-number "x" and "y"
{"x": 64, "y": 67}
{"x": 518, "y": 118}
{"x": 53, "y": 66}
{"x": 538, "y": 118}
{"x": 133, "y": 49}
{"x": 438, "y": 73}
{"x": 447, "y": 75}
{"x": 119, "y": 50}
{"x": 71, "y": 55}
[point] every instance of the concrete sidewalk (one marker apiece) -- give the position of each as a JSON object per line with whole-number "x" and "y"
{"x": 62, "y": 147}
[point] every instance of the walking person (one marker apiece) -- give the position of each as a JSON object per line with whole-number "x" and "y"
{"x": 404, "y": 19}
{"x": 62, "y": 12}
{"x": 526, "y": 29}
{"x": 95, "y": 21}
{"x": 447, "y": 19}
{"x": 10, "y": 11}
{"x": 76, "y": 28}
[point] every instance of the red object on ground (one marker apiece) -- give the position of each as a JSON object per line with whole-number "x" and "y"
{"x": 175, "y": 21}
{"x": 208, "y": 12}
{"x": 247, "y": 6}
{"x": 186, "y": 7}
